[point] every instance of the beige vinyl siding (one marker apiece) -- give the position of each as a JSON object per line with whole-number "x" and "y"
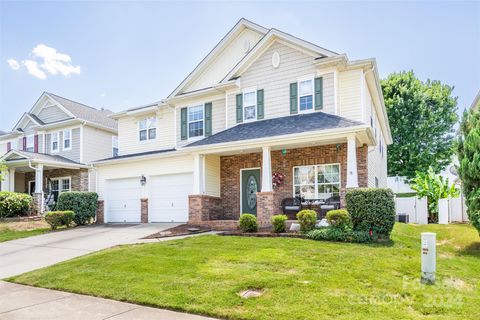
{"x": 92, "y": 180}
{"x": 225, "y": 61}
{"x": 212, "y": 175}
{"x": 218, "y": 119}
{"x": 350, "y": 96}
{"x": 97, "y": 144}
{"x": 73, "y": 153}
{"x": 52, "y": 114}
{"x": 20, "y": 182}
{"x": 276, "y": 81}
{"x": 3, "y": 147}
{"x": 128, "y": 134}
{"x": 377, "y": 164}
{"x": 147, "y": 167}
{"x": 28, "y": 128}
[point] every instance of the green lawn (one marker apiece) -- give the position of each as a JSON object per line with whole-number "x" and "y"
{"x": 22, "y": 229}
{"x": 301, "y": 279}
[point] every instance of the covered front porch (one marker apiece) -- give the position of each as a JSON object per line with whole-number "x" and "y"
{"x": 43, "y": 176}
{"x": 258, "y": 178}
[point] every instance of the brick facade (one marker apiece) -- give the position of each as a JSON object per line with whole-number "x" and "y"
{"x": 336, "y": 153}
{"x": 265, "y": 208}
{"x": 79, "y": 178}
{"x": 207, "y": 210}
{"x": 144, "y": 210}
{"x": 100, "y": 215}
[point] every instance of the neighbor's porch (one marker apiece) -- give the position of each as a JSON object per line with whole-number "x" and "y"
{"x": 318, "y": 172}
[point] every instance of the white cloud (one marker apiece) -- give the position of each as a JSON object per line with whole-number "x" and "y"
{"x": 55, "y": 62}
{"x": 34, "y": 70}
{"x": 12, "y": 63}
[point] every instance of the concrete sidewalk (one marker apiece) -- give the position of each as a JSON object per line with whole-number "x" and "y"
{"x": 24, "y": 302}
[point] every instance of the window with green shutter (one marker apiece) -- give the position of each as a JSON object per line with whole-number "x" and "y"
{"x": 183, "y": 123}
{"x": 239, "y": 108}
{"x": 293, "y": 98}
{"x": 319, "y": 93}
{"x": 260, "y": 109}
{"x": 208, "y": 119}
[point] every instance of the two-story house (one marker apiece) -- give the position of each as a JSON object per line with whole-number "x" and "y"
{"x": 261, "y": 105}
{"x": 50, "y": 148}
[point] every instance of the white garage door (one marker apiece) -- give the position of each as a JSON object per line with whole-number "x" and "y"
{"x": 168, "y": 197}
{"x": 123, "y": 200}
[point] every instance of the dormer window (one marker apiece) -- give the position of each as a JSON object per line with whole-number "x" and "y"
{"x": 250, "y": 105}
{"x": 305, "y": 96}
{"x": 67, "y": 139}
{"x": 55, "y": 142}
{"x": 147, "y": 129}
{"x": 30, "y": 147}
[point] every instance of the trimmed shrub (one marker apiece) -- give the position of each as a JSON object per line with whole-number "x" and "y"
{"x": 59, "y": 218}
{"x": 336, "y": 234}
{"x": 14, "y": 204}
{"x": 339, "y": 219}
{"x": 371, "y": 210}
{"x": 248, "y": 222}
{"x": 307, "y": 220}
{"x": 84, "y": 204}
{"x": 278, "y": 223}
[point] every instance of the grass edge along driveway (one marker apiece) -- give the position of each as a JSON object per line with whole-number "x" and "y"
{"x": 300, "y": 279}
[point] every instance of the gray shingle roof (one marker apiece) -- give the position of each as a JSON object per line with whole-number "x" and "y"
{"x": 139, "y": 154}
{"x": 279, "y": 126}
{"x": 87, "y": 113}
{"x": 44, "y": 157}
{"x": 37, "y": 119}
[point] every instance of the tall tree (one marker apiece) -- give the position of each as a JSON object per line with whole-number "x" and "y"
{"x": 421, "y": 116}
{"x": 469, "y": 157}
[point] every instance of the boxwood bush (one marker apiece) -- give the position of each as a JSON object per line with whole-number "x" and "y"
{"x": 248, "y": 223}
{"x": 337, "y": 234}
{"x": 84, "y": 204}
{"x": 59, "y": 218}
{"x": 339, "y": 219}
{"x": 307, "y": 220}
{"x": 14, "y": 204}
{"x": 371, "y": 210}
{"x": 278, "y": 223}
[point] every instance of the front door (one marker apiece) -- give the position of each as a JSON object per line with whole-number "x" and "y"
{"x": 250, "y": 181}
{"x": 31, "y": 187}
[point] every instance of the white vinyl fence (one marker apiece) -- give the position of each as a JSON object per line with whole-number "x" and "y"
{"x": 452, "y": 210}
{"x": 415, "y": 208}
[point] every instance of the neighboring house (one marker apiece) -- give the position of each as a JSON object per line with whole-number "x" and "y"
{"x": 261, "y": 102}
{"x": 48, "y": 150}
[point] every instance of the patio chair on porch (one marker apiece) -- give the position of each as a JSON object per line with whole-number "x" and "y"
{"x": 291, "y": 206}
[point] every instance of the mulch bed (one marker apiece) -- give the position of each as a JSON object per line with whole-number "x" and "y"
{"x": 21, "y": 218}
{"x": 181, "y": 230}
{"x": 263, "y": 234}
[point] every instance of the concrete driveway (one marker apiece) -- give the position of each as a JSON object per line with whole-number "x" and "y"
{"x": 22, "y": 255}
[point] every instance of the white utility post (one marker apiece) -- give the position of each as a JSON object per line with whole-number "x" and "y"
{"x": 429, "y": 252}
{"x": 198, "y": 174}
{"x": 352, "y": 172}
{"x": 266, "y": 170}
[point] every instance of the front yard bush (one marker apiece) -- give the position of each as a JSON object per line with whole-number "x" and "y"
{"x": 84, "y": 204}
{"x": 59, "y": 218}
{"x": 278, "y": 223}
{"x": 248, "y": 223}
{"x": 339, "y": 219}
{"x": 14, "y": 204}
{"x": 371, "y": 210}
{"x": 336, "y": 234}
{"x": 307, "y": 220}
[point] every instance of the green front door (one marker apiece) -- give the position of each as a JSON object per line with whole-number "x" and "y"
{"x": 250, "y": 187}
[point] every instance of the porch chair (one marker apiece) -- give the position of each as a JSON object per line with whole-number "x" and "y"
{"x": 291, "y": 206}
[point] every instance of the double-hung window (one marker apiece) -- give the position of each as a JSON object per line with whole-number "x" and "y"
{"x": 67, "y": 139}
{"x": 114, "y": 146}
{"x": 59, "y": 185}
{"x": 250, "y": 105}
{"x": 147, "y": 129}
{"x": 317, "y": 181}
{"x": 30, "y": 147}
{"x": 54, "y": 138}
{"x": 305, "y": 95}
{"x": 196, "y": 121}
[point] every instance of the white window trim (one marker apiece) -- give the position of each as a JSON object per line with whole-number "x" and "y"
{"x": 249, "y": 90}
{"x": 188, "y": 122}
{"x": 156, "y": 130}
{"x": 59, "y": 179}
{"x": 63, "y": 139}
{"x": 58, "y": 142}
{"x": 33, "y": 142}
{"x": 113, "y": 146}
{"x": 311, "y": 78}
{"x": 316, "y": 176}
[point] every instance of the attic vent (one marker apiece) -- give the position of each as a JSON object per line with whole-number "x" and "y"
{"x": 275, "y": 60}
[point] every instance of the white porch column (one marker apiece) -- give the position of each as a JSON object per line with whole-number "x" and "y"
{"x": 11, "y": 179}
{"x": 6, "y": 180}
{"x": 266, "y": 170}
{"x": 352, "y": 173}
{"x": 39, "y": 179}
{"x": 198, "y": 174}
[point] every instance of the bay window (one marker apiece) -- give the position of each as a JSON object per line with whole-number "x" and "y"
{"x": 196, "y": 117}
{"x": 317, "y": 181}
{"x": 250, "y": 105}
{"x": 305, "y": 96}
{"x": 147, "y": 129}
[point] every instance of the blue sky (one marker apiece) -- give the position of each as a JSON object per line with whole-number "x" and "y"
{"x": 125, "y": 54}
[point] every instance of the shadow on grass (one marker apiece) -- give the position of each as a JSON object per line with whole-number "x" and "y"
{"x": 472, "y": 249}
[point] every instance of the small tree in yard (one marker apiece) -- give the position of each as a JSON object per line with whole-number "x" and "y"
{"x": 469, "y": 158}
{"x": 3, "y": 169}
{"x": 434, "y": 187}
